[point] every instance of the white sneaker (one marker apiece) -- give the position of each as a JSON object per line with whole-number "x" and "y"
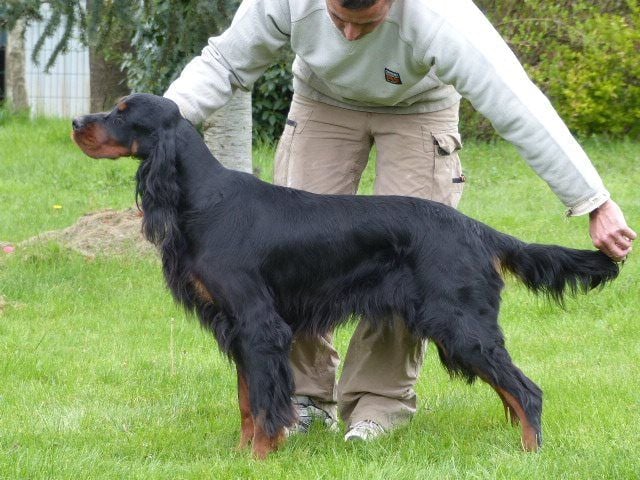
{"x": 364, "y": 430}
{"x": 308, "y": 412}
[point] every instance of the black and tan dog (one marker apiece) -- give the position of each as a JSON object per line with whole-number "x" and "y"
{"x": 260, "y": 263}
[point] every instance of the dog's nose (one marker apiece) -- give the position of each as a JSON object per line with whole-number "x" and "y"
{"x": 77, "y": 123}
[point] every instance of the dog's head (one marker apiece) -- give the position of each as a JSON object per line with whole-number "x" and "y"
{"x": 132, "y": 128}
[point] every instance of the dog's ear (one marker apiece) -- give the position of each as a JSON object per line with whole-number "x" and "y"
{"x": 157, "y": 186}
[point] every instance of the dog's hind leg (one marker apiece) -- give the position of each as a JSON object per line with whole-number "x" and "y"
{"x": 521, "y": 397}
{"x": 509, "y": 412}
{"x": 528, "y": 416}
{"x": 476, "y": 349}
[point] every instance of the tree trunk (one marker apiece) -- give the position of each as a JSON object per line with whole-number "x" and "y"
{"x": 16, "y": 83}
{"x": 107, "y": 81}
{"x": 227, "y": 133}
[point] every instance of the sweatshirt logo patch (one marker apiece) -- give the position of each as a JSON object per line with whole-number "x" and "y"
{"x": 392, "y": 77}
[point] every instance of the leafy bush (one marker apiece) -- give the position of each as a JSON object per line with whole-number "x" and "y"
{"x": 168, "y": 34}
{"x": 271, "y": 98}
{"x": 582, "y": 54}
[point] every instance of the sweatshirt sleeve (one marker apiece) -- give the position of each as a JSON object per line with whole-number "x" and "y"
{"x": 233, "y": 60}
{"x": 468, "y": 53}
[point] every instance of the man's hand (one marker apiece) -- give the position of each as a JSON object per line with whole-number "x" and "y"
{"x": 610, "y": 232}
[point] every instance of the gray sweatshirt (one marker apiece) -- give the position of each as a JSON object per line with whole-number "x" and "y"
{"x": 421, "y": 59}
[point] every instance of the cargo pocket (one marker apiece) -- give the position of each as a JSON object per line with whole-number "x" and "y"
{"x": 448, "y": 177}
{"x": 296, "y": 121}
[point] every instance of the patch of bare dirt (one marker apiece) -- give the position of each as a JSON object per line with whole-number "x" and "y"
{"x": 110, "y": 232}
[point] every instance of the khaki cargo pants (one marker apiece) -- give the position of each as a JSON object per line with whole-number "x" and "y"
{"x": 324, "y": 149}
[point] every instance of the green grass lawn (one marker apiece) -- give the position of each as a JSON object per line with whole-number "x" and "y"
{"x": 102, "y": 376}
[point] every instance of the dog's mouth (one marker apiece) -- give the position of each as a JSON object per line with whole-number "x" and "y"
{"x": 95, "y": 142}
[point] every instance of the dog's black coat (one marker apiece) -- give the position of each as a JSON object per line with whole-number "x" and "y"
{"x": 260, "y": 263}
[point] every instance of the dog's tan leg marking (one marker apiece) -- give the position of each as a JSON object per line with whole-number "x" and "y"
{"x": 263, "y": 444}
{"x": 246, "y": 419}
{"x": 509, "y": 413}
{"x": 529, "y": 434}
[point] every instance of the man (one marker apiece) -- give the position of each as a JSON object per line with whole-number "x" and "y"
{"x": 389, "y": 73}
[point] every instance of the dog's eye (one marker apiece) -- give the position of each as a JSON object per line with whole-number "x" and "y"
{"x": 118, "y": 120}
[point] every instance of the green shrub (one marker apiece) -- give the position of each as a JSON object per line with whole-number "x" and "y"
{"x": 583, "y": 55}
{"x": 168, "y": 34}
{"x": 271, "y": 98}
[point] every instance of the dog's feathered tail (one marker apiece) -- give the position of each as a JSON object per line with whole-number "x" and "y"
{"x": 551, "y": 269}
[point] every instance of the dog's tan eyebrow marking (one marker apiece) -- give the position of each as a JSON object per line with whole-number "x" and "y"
{"x": 122, "y": 106}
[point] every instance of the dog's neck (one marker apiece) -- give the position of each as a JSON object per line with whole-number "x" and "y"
{"x": 191, "y": 148}
{"x": 197, "y": 168}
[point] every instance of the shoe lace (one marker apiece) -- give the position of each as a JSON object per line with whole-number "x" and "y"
{"x": 367, "y": 427}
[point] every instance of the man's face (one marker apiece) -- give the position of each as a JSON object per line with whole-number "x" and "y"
{"x": 355, "y": 24}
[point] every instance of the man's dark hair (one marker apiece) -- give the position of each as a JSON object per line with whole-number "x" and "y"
{"x": 359, "y": 4}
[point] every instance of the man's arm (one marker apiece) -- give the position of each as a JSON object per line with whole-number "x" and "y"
{"x": 468, "y": 53}
{"x": 233, "y": 60}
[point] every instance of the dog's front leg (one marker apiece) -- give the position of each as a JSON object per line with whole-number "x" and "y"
{"x": 246, "y": 419}
{"x": 252, "y": 431}
{"x": 263, "y": 443}
{"x": 264, "y": 343}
